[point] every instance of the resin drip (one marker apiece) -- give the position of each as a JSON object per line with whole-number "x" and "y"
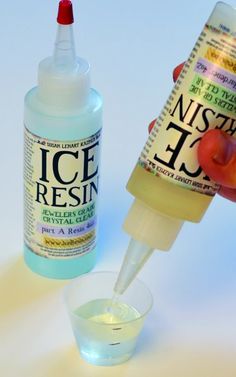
{"x": 113, "y": 303}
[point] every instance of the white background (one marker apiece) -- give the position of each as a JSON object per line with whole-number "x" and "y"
{"x": 133, "y": 47}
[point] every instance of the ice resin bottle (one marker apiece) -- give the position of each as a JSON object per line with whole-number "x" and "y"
{"x": 168, "y": 184}
{"x": 63, "y": 120}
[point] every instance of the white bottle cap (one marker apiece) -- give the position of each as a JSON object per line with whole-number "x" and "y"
{"x": 64, "y": 89}
{"x": 150, "y": 227}
{"x": 64, "y": 79}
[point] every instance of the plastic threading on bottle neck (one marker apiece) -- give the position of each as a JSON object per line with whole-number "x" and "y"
{"x": 65, "y": 13}
{"x": 150, "y": 227}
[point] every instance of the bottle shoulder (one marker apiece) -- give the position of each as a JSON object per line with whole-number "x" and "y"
{"x": 94, "y": 103}
{"x": 53, "y": 123}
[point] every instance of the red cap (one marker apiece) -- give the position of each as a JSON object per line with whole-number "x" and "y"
{"x": 65, "y": 13}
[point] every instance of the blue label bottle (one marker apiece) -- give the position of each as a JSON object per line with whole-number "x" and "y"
{"x": 63, "y": 121}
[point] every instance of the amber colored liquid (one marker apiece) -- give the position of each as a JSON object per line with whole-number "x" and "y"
{"x": 166, "y": 197}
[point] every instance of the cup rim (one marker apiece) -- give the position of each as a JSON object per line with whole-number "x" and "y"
{"x": 74, "y": 281}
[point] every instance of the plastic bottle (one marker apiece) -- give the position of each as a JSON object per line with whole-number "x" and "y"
{"x": 168, "y": 184}
{"x": 63, "y": 120}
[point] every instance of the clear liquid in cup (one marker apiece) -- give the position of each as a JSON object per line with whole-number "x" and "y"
{"x": 109, "y": 334}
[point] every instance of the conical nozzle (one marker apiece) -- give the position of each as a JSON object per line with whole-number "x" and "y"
{"x": 64, "y": 56}
{"x": 136, "y": 256}
{"x": 64, "y": 79}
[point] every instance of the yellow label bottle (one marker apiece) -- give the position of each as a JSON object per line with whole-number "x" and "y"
{"x": 168, "y": 184}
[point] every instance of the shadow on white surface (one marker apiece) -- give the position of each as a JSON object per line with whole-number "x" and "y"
{"x": 63, "y": 363}
{"x": 19, "y": 286}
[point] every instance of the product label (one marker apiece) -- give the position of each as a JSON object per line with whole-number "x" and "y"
{"x": 204, "y": 97}
{"x": 61, "y": 186}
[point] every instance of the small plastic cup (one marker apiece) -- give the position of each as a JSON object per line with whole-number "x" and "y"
{"x": 106, "y": 343}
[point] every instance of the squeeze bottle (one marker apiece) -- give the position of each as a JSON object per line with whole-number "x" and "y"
{"x": 168, "y": 184}
{"x": 63, "y": 121}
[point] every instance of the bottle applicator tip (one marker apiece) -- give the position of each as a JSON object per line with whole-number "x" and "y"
{"x": 136, "y": 256}
{"x": 65, "y": 13}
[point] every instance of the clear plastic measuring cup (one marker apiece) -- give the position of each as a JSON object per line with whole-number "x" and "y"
{"x": 105, "y": 334}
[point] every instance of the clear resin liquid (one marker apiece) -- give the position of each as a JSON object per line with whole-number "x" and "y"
{"x": 106, "y": 331}
{"x": 167, "y": 198}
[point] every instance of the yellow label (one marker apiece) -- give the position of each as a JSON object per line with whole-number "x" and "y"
{"x": 222, "y": 60}
{"x": 204, "y": 97}
{"x": 61, "y": 186}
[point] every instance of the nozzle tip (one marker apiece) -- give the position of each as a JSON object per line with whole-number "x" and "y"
{"x": 65, "y": 13}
